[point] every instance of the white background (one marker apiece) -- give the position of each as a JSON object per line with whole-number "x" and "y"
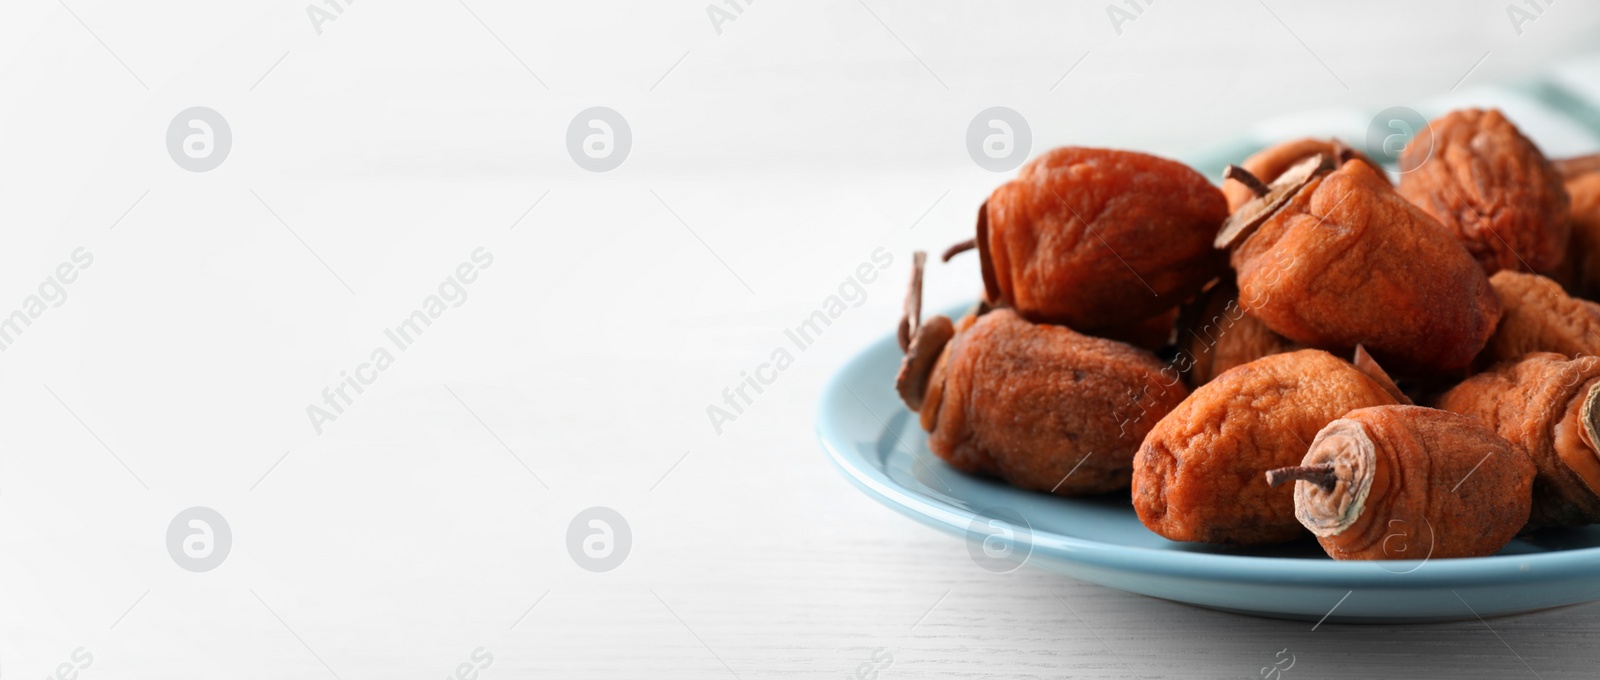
{"x": 791, "y": 145}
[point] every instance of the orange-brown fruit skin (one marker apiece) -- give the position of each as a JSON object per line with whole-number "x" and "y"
{"x": 1215, "y": 334}
{"x": 1540, "y": 317}
{"x": 1029, "y": 403}
{"x": 1199, "y": 476}
{"x": 1146, "y": 246}
{"x": 1493, "y": 188}
{"x": 1348, "y": 261}
{"x": 1580, "y": 270}
{"x": 1526, "y": 402}
{"x": 1444, "y": 486}
{"x": 1267, "y": 164}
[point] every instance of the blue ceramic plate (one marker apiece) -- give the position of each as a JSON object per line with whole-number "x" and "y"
{"x": 880, "y": 447}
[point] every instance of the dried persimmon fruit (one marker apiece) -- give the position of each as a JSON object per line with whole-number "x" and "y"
{"x": 1215, "y": 334}
{"x": 1540, "y": 317}
{"x": 1409, "y": 482}
{"x": 1043, "y": 407}
{"x": 1096, "y": 238}
{"x": 1335, "y": 258}
{"x": 1267, "y": 164}
{"x": 1580, "y": 270}
{"x": 1545, "y": 405}
{"x": 1197, "y": 477}
{"x": 1493, "y": 188}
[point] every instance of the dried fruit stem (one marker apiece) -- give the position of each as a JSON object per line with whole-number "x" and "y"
{"x": 1246, "y": 178}
{"x": 922, "y": 342}
{"x": 1320, "y": 475}
{"x": 958, "y": 249}
{"x": 912, "y": 321}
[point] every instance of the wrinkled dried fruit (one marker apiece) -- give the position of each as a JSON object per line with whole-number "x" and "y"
{"x": 1492, "y": 188}
{"x": 1410, "y": 483}
{"x": 1043, "y": 407}
{"x": 1198, "y": 475}
{"x": 1347, "y": 261}
{"x": 1095, "y": 238}
{"x": 1545, "y": 406}
{"x": 1215, "y": 334}
{"x": 1029, "y": 403}
{"x": 1267, "y": 164}
{"x": 1540, "y": 317}
{"x": 1580, "y": 270}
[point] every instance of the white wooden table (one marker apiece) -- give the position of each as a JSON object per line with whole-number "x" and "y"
{"x": 376, "y": 147}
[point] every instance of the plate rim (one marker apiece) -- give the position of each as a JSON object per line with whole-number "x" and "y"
{"x": 1522, "y": 569}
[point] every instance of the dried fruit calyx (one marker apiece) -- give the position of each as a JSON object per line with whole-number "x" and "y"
{"x": 921, "y": 342}
{"x": 1270, "y": 163}
{"x": 1343, "y": 452}
{"x": 1269, "y": 197}
{"x": 1589, "y": 416}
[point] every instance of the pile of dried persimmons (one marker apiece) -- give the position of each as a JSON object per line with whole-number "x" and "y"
{"x": 1141, "y": 328}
